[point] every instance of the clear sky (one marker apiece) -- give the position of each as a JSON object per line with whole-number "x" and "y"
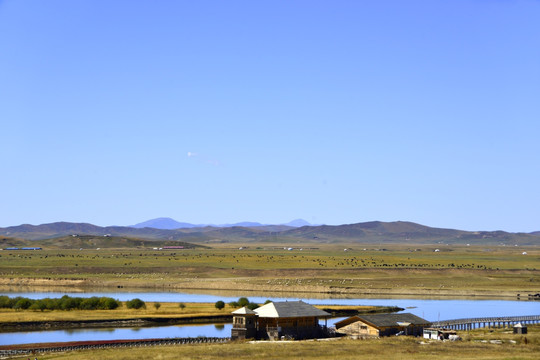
{"x": 116, "y": 112}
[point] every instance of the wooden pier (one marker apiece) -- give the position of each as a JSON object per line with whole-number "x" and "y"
{"x": 489, "y": 322}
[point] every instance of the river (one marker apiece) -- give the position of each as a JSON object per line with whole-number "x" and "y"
{"x": 432, "y": 309}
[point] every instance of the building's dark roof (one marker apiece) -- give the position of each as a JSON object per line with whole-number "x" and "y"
{"x": 384, "y": 320}
{"x": 289, "y": 309}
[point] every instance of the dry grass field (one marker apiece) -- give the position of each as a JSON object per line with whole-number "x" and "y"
{"x": 453, "y": 270}
{"x": 397, "y": 269}
{"x": 476, "y": 345}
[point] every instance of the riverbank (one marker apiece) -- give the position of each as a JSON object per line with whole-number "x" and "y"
{"x": 167, "y": 314}
{"x": 283, "y": 285}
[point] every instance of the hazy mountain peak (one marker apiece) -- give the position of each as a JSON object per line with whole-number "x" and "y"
{"x": 166, "y": 223}
{"x": 297, "y": 223}
{"x": 163, "y": 223}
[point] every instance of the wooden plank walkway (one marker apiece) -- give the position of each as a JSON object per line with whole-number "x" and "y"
{"x": 489, "y": 322}
{"x": 10, "y": 350}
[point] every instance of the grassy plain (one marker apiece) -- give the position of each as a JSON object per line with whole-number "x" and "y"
{"x": 475, "y": 345}
{"x": 398, "y": 269}
{"x": 414, "y": 269}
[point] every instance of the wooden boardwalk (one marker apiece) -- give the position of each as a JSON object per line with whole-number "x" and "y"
{"x": 10, "y": 350}
{"x": 489, "y": 322}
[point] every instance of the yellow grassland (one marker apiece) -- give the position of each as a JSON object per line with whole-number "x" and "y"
{"x": 397, "y": 270}
{"x": 475, "y": 345}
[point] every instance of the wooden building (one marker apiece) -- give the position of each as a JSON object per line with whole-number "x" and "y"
{"x": 244, "y": 324}
{"x": 362, "y": 326}
{"x": 291, "y": 319}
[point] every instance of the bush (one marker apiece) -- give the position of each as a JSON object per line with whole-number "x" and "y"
{"x": 38, "y": 305}
{"x": 135, "y": 304}
{"x": 182, "y": 306}
{"x": 34, "y": 306}
{"x": 234, "y": 304}
{"x": 243, "y": 301}
{"x": 13, "y": 301}
{"x": 63, "y": 303}
{"x": 56, "y": 304}
{"x": 157, "y": 305}
{"x": 5, "y": 302}
{"x": 219, "y": 305}
{"x": 23, "y": 303}
{"x": 68, "y": 303}
{"x": 107, "y": 303}
{"x": 252, "y": 306}
{"x": 90, "y": 303}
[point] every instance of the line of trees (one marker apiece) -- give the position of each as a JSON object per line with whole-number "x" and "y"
{"x": 64, "y": 303}
{"x": 243, "y": 301}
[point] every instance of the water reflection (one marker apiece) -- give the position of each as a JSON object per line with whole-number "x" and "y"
{"x": 216, "y": 330}
{"x": 221, "y": 330}
{"x": 81, "y": 331}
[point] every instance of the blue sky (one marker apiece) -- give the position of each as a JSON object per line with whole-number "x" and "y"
{"x": 115, "y": 112}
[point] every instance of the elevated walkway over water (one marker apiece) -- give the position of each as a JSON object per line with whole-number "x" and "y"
{"x": 489, "y": 322}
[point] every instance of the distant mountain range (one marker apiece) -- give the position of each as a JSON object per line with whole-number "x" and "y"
{"x": 171, "y": 224}
{"x": 375, "y": 232}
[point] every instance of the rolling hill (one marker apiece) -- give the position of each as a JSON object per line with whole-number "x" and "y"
{"x": 368, "y": 232}
{"x": 92, "y": 242}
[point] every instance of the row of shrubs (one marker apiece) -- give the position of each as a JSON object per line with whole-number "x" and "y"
{"x": 243, "y": 301}
{"x": 67, "y": 303}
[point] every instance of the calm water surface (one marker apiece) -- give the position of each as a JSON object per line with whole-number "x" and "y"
{"x": 430, "y": 309}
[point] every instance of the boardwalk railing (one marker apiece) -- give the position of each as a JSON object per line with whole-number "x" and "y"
{"x": 473, "y": 323}
{"x": 7, "y": 350}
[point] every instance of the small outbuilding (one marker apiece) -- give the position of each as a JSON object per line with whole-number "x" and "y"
{"x": 520, "y": 329}
{"x": 291, "y": 319}
{"x": 376, "y": 325}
